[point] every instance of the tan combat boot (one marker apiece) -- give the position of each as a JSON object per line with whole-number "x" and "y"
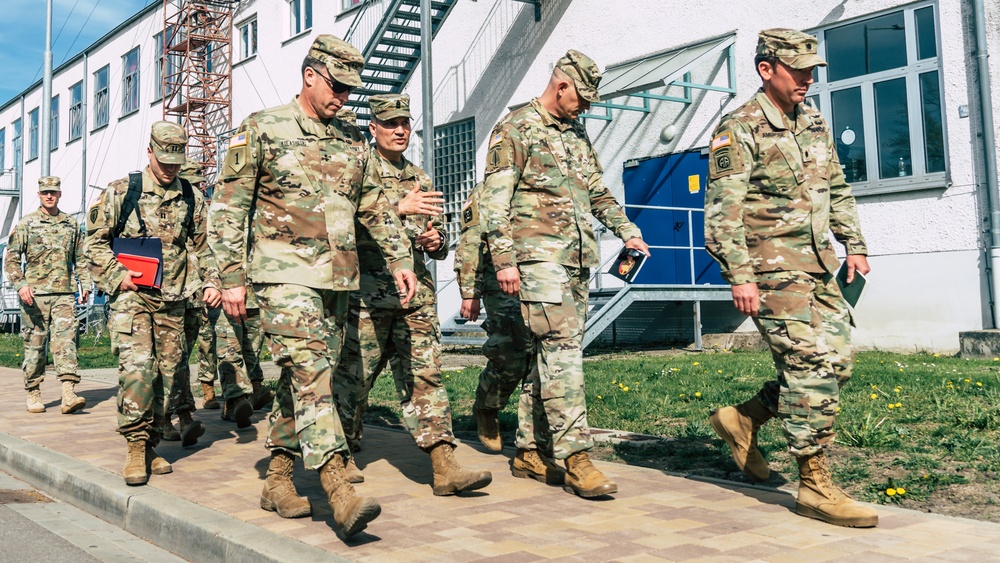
{"x": 262, "y": 397}
{"x": 208, "y": 394}
{"x": 738, "y": 427}
{"x": 135, "y": 464}
{"x": 71, "y": 402}
{"x": 449, "y": 477}
{"x": 169, "y": 432}
{"x": 191, "y": 429}
{"x": 239, "y": 410}
{"x": 488, "y": 428}
{"x": 354, "y": 475}
{"x": 279, "y": 494}
{"x": 821, "y": 499}
{"x": 35, "y": 404}
{"x": 156, "y": 464}
{"x": 529, "y": 464}
{"x": 584, "y": 479}
{"x": 351, "y": 513}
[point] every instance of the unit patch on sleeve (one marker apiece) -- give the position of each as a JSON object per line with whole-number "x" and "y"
{"x": 499, "y": 156}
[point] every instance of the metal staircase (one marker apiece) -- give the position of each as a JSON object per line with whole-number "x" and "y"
{"x": 387, "y": 32}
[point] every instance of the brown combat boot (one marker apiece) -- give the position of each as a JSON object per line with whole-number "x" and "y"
{"x": 156, "y": 464}
{"x": 239, "y": 410}
{"x": 488, "y": 428}
{"x": 351, "y": 513}
{"x": 821, "y": 499}
{"x": 191, "y": 429}
{"x": 71, "y": 402}
{"x": 208, "y": 394}
{"x": 135, "y": 464}
{"x": 449, "y": 477}
{"x": 262, "y": 397}
{"x": 354, "y": 475}
{"x": 529, "y": 464}
{"x": 279, "y": 494}
{"x": 738, "y": 427}
{"x": 584, "y": 479}
{"x": 34, "y": 402}
{"x": 169, "y": 432}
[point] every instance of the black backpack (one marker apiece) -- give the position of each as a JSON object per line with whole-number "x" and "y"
{"x": 131, "y": 204}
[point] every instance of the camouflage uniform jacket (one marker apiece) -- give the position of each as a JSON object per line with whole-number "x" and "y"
{"x": 164, "y": 210}
{"x": 378, "y": 289}
{"x": 299, "y": 184}
{"x": 542, "y": 180}
{"x": 472, "y": 261}
{"x": 776, "y": 189}
{"x": 52, "y": 246}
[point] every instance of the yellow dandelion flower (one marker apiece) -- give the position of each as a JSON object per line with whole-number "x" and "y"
{"x": 899, "y": 405}
{"x": 892, "y": 406}
{"x": 682, "y": 394}
{"x": 890, "y": 492}
{"x": 720, "y": 371}
{"x": 636, "y": 382}
{"x": 967, "y": 380}
{"x": 447, "y": 376}
{"x": 979, "y": 384}
{"x": 599, "y": 397}
{"x": 874, "y": 396}
{"x": 694, "y": 364}
{"x": 698, "y": 394}
{"x": 996, "y": 359}
{"x": 937, "y": 355}
{"x": 927, "y": 475}
{"x": 897, "y": 390}
{"x": 900, "y": 491}
{"x": 625, "y": 389}
{"x": 838, "y": 409}
{"x": 900, "y": 369}
{"x": 614, "y": 381}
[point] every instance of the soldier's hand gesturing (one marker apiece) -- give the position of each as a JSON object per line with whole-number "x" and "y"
{"x": 429, "y": 240}
{"x": 27, "y": 296}
{"x": 127, "y": 283}
{"x": 406, "y": 282}
{"x": 746, "y": 298}
{"x": 419, "y": 202}
{"x": 510, "y": 280}
{"x": 234, "y": 302}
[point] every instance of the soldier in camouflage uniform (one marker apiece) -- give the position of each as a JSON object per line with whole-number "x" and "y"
{"x": 380, "y": 326}
{"x": 543, "y": 180}
{"x": 776, "y": 190}
{"x": 208, "y": 362}
{"x": 508, "y": 346}
{"x": 52, "y": 245}
{"x": 240, "y": 373}
{"x": 147, "y": 324}
{"x": 302, "y": 171}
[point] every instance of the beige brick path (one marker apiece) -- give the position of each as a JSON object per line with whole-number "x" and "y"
{"x": 656, "y": 517}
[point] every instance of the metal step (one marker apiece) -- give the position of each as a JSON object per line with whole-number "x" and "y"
{"x": 396, "y": 28}
{"x": 401, "y": 43}
{"x": 395, "y": 56}
{"x": 376, "y": 67}
{"x": 393, "y": 83}
{"x": 438, "y": 6}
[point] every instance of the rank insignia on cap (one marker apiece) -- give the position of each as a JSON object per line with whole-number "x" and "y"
{"x": 238, "y": 140}
{"x": 722, "y": 140}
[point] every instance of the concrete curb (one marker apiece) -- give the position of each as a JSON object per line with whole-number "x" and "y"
{"x": 187, "y": 529}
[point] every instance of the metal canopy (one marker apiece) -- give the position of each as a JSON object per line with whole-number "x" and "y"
{"x": 658, "y": 70}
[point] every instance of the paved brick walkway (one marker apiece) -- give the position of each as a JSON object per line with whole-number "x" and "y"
{"x": 656, "y": 517}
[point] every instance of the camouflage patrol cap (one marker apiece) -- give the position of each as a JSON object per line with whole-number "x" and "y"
{"x": 347, "y": 116}
{"x": 584, "y": 72}
{"x": 49, "y": 184}
{"x": 192, "y": 172}
{"x": 340, "y": 57}
{"x": 795, "y": 48}
{"x": 169, "y": 142}
{"x": 388, "y": 106}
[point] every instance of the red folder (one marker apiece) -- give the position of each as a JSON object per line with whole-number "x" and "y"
{"x": 143, "y": 264}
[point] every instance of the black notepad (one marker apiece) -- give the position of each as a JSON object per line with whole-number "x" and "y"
{"x": 625, "y": 269}
{"x": 852, "y": 291}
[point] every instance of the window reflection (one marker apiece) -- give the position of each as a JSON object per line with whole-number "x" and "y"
{"x": 926, "y": 41}
{"x": 848, "y": 133}
{"x": 892, "y": 129}
{"x": 870, "y": 46}
{"x": 930, "y": 104}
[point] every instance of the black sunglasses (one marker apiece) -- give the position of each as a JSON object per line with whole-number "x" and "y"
{"x": 337, "y": 87}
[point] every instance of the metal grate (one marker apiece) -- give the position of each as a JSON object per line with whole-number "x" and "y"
{"x": 455, "y": 169}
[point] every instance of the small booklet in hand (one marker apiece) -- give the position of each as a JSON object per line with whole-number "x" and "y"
{"x": 145, "y": 265}
{"x": 854, "y": 291}
{"x": 628, "y": 264}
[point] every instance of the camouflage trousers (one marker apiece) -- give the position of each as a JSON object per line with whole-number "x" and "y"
{"x": 239, "y": 363}
{"x": 181, "y": 398}
{"x": 147, "y": 335}
{"x": 208, "y": 362}
{"x": 305, "y": 329}
{"x": 805, "y": 321}
{"x": 554, "y": 307}
{"x": 50, "y": 318}
{"x": 507, "y": 350}
{"x": 413, "y": 337}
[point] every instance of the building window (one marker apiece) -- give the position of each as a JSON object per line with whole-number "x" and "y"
{"x": 248, "y": 38}
{"x": 455, "y": 169}
{"x": 3, "y": 149}
{"x": 299, "y": 16}
{"x": 33, "y": 134}
{"x": 76, "y": 111}
{"x": 54, "y": 124}
{"x": 348, "y": 4}
{"x": 101, "y": 97}
{"x": 17, "y": 143}
{"x": 882, "y": 95}
{"x": 130, "y": 82}
{"x": 161, "y": 66}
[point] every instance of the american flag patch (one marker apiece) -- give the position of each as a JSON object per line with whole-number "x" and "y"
{"x": 496, "y": 139}
{"x": 238, "y": 140}
{"x": 722, "y": 140}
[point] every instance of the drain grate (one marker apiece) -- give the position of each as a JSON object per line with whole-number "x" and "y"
{"x": 21, "y": 496}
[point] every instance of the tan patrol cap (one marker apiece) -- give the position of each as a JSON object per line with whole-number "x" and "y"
{"x": 342, "y": 60}
{"x": 388, "y": 106}
{"x": 584, "y": 72}
{"x": 49, "y": 184}
{"x": 169, "y": 142}
{"x": 192, "y": 172}
{"x": 795, "y": 48}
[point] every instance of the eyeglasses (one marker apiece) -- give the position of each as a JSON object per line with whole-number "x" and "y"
{"x": 337, "y": 87}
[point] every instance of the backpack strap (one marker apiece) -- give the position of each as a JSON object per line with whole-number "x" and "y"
{"x": 187, "y": 193}
{"x": 130, "y": 204}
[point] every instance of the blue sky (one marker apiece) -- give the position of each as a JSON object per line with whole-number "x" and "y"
{"x": 22, "y": 34}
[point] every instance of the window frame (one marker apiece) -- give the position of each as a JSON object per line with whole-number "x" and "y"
{"x": 244, "y": 51}
{"x": 454, "y": 171}
{"x": 76, "y": 117}
{"x": 102, "y": 98}
{"x": 33, "y": 137}
{"x": 130, "y": 83}
{"x": 3, "y": 149}
{"x": 300, "y": 17}
{"x": 54, "y": 123}
{"x": 822, "y": 89}
{"x": 348, "y": 5}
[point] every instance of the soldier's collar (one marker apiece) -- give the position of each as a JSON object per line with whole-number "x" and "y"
{"x": 309, "y": 125}
{"x": 548, "y": 119}
{"x": 405, "y": 170}
{"x": 777, "y": 118}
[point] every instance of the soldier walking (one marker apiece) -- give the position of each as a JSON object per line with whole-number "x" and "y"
{"x": 543, "y": 183}
{"x": 52, "y": 246}
{"x": 301, "y": 170}
{"x": 776, "y": 190}
{"x": 380, "y": 326}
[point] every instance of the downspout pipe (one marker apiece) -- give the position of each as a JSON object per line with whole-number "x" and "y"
{"x": 989, "y": 154}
